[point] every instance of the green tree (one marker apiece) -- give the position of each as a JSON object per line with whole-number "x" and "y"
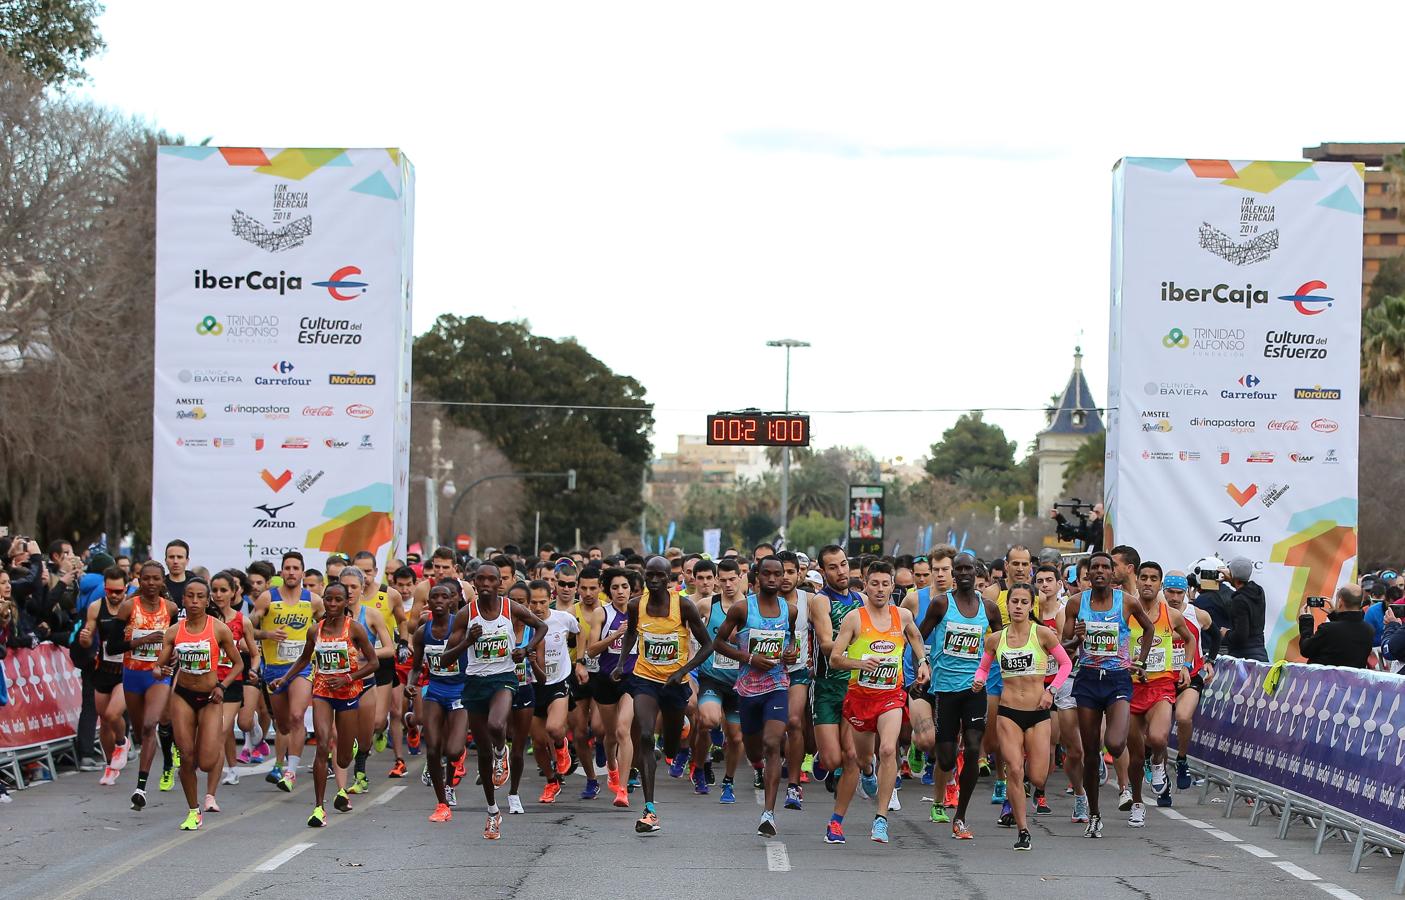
{"x": 51, "y": 39}
{"x": 472, "y": 359}
{"x": 971, "y": 443}
{"x": 1389, "y": 281}
{"x": 1088, "y": 459}
{"x": 812, "y": 531}
{"x": 1382, "y": 343}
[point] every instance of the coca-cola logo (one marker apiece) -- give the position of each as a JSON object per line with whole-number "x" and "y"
{"x": 317, "y": 411}
{"x": 1283, "y": 425}
{"x": 360, "y": 411}
{"x": 1326, "y": 426}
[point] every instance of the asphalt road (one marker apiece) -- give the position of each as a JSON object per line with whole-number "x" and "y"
{"x": 72, "y": 838}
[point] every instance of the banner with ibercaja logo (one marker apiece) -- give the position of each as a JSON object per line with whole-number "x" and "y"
{"x": 282, "y": 378}
{"x": 1234, "y": 371}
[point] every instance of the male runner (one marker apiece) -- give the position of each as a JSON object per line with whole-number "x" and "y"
{"x": 360, "y": 609}
{"x": 1206, "y": 649}
{"x": 583, "y": 720}
{"x": 763, "y": 628}
{"x": 801, "y": 675}
{"x": 717, "y": 680}
{"x": 283, "y": 615}
{"x": 660, "y": 622}
{"x": 931, "y": 576}
{"x": 391, "y": 606}
{"x": 552, "y": 692}
{"x": 604, "y": 638}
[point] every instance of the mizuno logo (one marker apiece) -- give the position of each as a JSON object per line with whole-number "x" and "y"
{"x": 1238, "y": 526}
{"x": 272, "y": 511}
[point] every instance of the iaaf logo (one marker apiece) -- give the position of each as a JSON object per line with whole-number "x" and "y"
{"x": 335, "y": 444}
{"x": 1306, "y": 302}
{"x": 1326, "y": 426}
{"x": 1301, "y": 457}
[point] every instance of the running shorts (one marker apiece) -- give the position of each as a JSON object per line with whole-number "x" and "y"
{"x": 827, "y": 701}
{"x": 1095, "y": 688}
{"x": 385, "y": 672}
{"x": 547, "y": 694}
{"x": 863, "y": 708}
{"x": 801, "y": 676}
{"x": 607, "y": 690}
{"x": 957, "y": 712}
{"x": 580, "y": 691}
{"x": 1197, "y": 683}
{"x": 339, "y": 704}
{"x": 1063, "y": 697}
{"x": 668, "y": 696}
{"x": 139, "y": 681}
{"x": 1025, "y": 719}
{"x": 1145, "y": 696}
{"x": 755, "y": 712}
{"x": 107, "y": 680}
{"x": 449, "y": 696}
{"x": 525, "y": 698}
{"x": 272, "y": 673}
{"x": 478, "y": 690}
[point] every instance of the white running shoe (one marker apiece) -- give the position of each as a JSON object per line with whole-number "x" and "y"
{"x": 450, "y": 797}
{"x": 230, "y": 777}
{"x": 1124, "y": 799}
{"x": 109, "y": 777}
{"x": 210, "y": 804}
{"x": 1158, "y": 778}
{"x": 514, "y": 805}
{"x": 893, "y": 804}
{"x": 1138, "y": 817}
{"x": 119, "y": 755}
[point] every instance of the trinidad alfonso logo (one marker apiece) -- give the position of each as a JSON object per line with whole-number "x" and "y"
{"x": 340, "y": 281}
{"x": 1308, "y": 303}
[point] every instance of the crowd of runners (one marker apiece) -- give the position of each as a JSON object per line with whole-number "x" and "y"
{"x": 858, "y": 674}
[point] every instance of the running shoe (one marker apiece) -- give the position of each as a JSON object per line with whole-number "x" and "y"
{"x": 1080, "y": 808}
{"x": 985, "y": 767}
{"x": 1095, "y": 827}
{"x": 1023, "y": 842}
{"x": 868, "y": 784}
{"x": 1007, "y": 816}
{"x": 997, "y": 795}
{"x": 168, "y": 779}
{"x": 441, "y": 813}
{"x": 514, "y": 805}
{"x": 459, "y": 769}
{"x": 549, "y": 792}
{"x": 500, "y": 772}
{"x": 288, "y": 781}
{"x": 600, "y": 753}
{"x": 1158, "y": 777}
{"x": 1138, "y": 817}
{"x": 274, "y": 775}
{"x": 109, "y": 777}
{"x": 834, "y": 834}
{"x": 122, "y": 751}
{"x": 612, "y": 780}
{"x": 412, "y": 739}
{"x": 767, "y": 826}
{"x": 360, "y": 784}
{"x": 341, "y": 801}
{"x": 591, "y": 790}
{"x": 492, "y": 829}
{"x": 621, "y": 798}
{"x": 244, "y": 758}
{"x": 960, "y": 832}
{"x": 1182, "y": 773}
{"x": 879, "y": 834}
{"x": 231, "y": 777}
{"x": 807, "y": 766}
{"x": 700, "y": 782}
{"x": 758, "y": 779}
{"x": 728, "y": 794}
{"x": 953, "y": 794}
{"x": 175, "y": 757}
{"x": 648, "y": 823}
{"x": 793, "y": 797}
{"x": 138, "y": 799}
{"x": 894, "y": 805}
{"x": 380, "y": 742}
{"x": 261, "y": 751}
{"x": 450, "y": 797}
{"x": 905, "y": 770}
{"x": 211, "y": 805}
{"x": 318, "y": 819}
{"x": 939, "y": 816}
{"x": 1124, "y": 799}
{"x": 424, "y": 776}
{"x": 679, "y": 764}
{"x": 929, "y": 774}
{"x": 192, "y": 821}
{"x": 398, "y": 770}
{"x": 1163, "y": 799}
{"x": 1102, "y": 770}
{"x": 1042, "y": 807}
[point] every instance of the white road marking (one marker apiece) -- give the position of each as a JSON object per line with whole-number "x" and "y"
{"x": 1340, "y": 892}
{"x": 1196, "y": 823}
{"x": 1260, "y": 852}
{"x": 1171, "y": 814}
{"x": 1222, "y": 835}
{"x": 777, "y": 859}
{"x": 385, "y": 797}
{"x": 1296, "y": 871}
{"x": 277, "y": 860}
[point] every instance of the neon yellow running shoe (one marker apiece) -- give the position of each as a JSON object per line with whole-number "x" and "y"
{"x": 380, "y": 742}
{"x": 808, "y": 766}
{"x": 318, "y": 819}
{"x": 192, "y": 821}
{"x": 360, "y": 784}
{"x": 168, "y": 779}
{"x": 175, "y": 757}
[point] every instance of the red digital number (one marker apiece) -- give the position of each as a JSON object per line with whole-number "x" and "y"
{"x": 797, "y": 431}
{"x": 734, "y": 430}
{"x": 719, "y": 429}
{"x": 749, "y": 431}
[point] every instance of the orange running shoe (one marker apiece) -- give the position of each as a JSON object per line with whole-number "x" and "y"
{"x": 621, "y": 798}
{"x": 458, "y": 769}
{"x": 493, "y": 829}
{"x": 953, "y": 794}
{"x": 442, "y": 813}
{"x": 960, "y": 832}
{"x": 549, "y": 792}
{"x": 412, "y": 737}
{"x": 563, "y": 758}
{"x": 613, "y": 782}
{"x": 500, "y": 772}
{"x": 398, "y": 770}
{"x": 647, "y": 824}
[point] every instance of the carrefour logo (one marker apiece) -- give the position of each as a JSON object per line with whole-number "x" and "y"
{"x": 340, "y": 281}
{"x": 1308, "y": 303}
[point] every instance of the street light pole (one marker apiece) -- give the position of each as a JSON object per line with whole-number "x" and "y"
{"x": 789, "y": 344}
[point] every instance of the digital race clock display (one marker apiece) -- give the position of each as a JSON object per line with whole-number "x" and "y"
{"x": 751, "y": 429}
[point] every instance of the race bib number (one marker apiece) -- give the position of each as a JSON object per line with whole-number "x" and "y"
{"x": 617, "y": 645}
{"x": 963, "y": 640}
{"x": 1177, "y": 658}
{"x": 1156, "y": 659}
{"x": 146, "y": 652}
{"x": 289, "y": 651}
{"x": 660, "y": 649}
{"x": 194, "y": 657}
{"x": 885, "y": 676}
{"x": 591, "y": 663}
{"x": 437, "y": 666}
{"x": 333, "y": 657}
{"x": 802, "y": 656}
{"x": 724, "y": 663}
{"x": 1014, "y": 663}
{"x": 492, "y": 646}
{"x": 1100, "y": 638}
{"x": 521, "y": 669}
{"x": 766, "y": 643}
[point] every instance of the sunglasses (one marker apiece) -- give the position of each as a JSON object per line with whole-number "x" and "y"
{"x": 565, "y": 584}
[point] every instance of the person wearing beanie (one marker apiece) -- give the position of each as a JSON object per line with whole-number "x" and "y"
{"x": 1246, "y": 612}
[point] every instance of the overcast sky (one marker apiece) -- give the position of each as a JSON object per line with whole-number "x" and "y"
{"x": 920, "y": 190}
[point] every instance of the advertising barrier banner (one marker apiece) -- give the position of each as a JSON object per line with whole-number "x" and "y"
{"x": 45, "y": 697}
{"x": 282, "y": 352}
{"x": 1334, "y": 735}
{"x": 1234, "y": 371}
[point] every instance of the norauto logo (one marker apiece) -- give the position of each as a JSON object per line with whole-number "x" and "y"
{"x": 1306, "y": 302}
{"x": 342, "y": 281}
{"x": 1326, "y": 426}
{"x": 1248, "y": 296}
{"x": 1317, "y": 392}
{"x": 350, "y": 378}
{"x": 282, "y": 283}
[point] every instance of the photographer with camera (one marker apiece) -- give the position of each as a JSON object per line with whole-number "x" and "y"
{"x": 1393, "y": 633}
{"x": 1344, "y": 639}
{"x": 1089, "y": 525}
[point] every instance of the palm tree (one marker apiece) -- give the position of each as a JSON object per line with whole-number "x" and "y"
{"x": 1383, "y": 350}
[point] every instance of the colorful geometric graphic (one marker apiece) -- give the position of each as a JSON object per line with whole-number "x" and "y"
{"x": 359, "y": 520}
{"x": 1324, "y": 539}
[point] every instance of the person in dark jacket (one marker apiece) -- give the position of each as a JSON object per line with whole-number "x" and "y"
{"x": 1246, "y": 613}
{"x": 1212, "y": 595}
{"x": 1345, "y": 639}
{"x": 1393, "y": 639}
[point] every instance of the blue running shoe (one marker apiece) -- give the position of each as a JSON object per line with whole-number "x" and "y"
{"x": 679, "y": 764}
{"x": 834, "y": 834}
{"x": 700, "y": 782}
{"x": 1182, "y": 773}
{"x": 633, "y": 783}
{"x": 792, "y": 797}
{"x": 997, "y": 796}
{"x": 879, "y": 835}
{"x": 591, "y": 790}
{"x": 728, "y": 795}
{"x": 600, "y": 753}
{"x": 869, "y": 783}
{"x": 928, "y": 774}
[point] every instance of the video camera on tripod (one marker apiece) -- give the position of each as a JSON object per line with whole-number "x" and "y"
{"x": 1069, "y": 530}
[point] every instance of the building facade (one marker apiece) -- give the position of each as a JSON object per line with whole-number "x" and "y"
{"x": 1385, "y": 233}
{"x": 1071, "y": 423}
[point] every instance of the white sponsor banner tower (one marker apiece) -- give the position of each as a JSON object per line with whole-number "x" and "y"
{"x": 282, "y": 352}
{"x": 1234, "y": 370}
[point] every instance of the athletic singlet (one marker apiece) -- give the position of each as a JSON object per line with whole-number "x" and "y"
{"x": 716, "y": 666}
{"x": 523, "y": 667}
{"x": 957, "y": 646}
{"x": 884, "y": 645}
{"x": 295, "y": 619}
{"x": 763, "y": 636}
{"x": 491, "y": 654}
{"x": 195, "y": 653}
{"x": 924, "y": 600}
{"x": 110, "y": 658}
{"x": 1028, "y": 661}
{"x": 236, "y": 628}
{"x": 1002, "y": 602}
{"x": 554, "y": 645}
{"x": 591, "y": 663}
{"x": 1051, "y": 665}
{"x": 661, "y": 640}
{"x": 1178, "y": 645}
{"x": 1106, "y": 635}
{"x": 614, "y": 618}
{"x": 840, "y": 605}
{"x": 442, "y": 670}
{"x": 335, "y": 655}
{"x": 1158, "y": 661}
{"x": 140, "y": 624}
{"x": 381, "y": 604}
{"x": 803, "y": 644}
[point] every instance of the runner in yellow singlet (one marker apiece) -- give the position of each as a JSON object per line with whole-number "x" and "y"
{"x": 283, "y": 615}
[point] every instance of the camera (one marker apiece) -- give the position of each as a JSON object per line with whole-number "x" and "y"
{"x": 1316, "y": 602}
{"x": 1073, "y": 531}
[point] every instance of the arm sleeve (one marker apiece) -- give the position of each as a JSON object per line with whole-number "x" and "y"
{"x": 1312, "y": 644}
{"x": 987, "y": 659}
{"x": 1065, "y": 667}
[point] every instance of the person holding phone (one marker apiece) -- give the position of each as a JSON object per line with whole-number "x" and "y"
{"x": 1345, "y": 639}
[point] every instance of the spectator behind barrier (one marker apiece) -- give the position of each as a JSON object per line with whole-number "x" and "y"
{"x": 1344, "y": 639}
{"x": 1393, "y": 642}
{"x": 1246, "y": 612}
